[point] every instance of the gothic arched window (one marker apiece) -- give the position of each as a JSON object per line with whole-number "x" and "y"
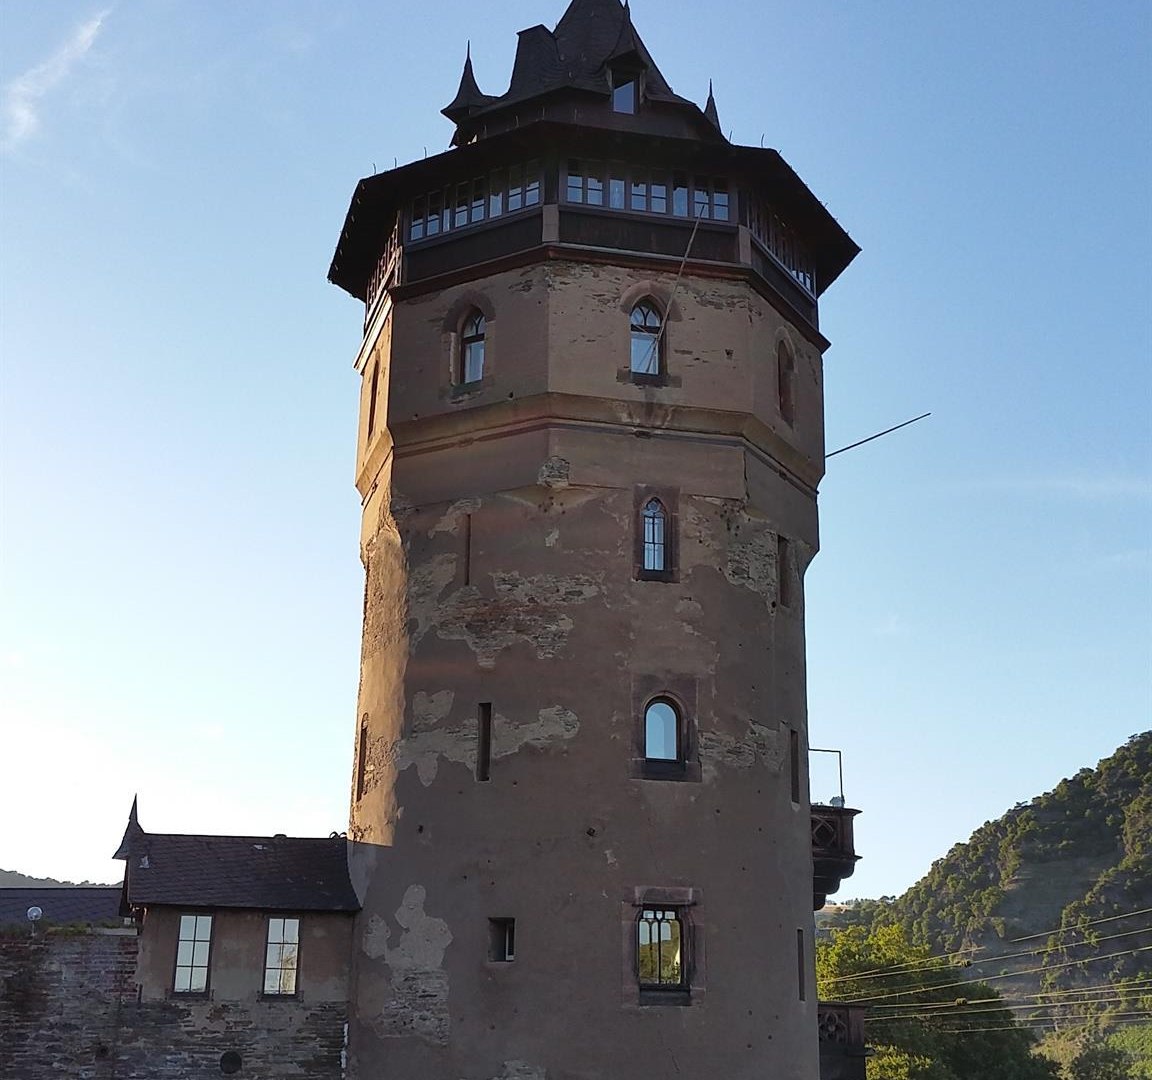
{"x": 662, "y": 731}
{"x": 654, "y": 523}
{"x": 471, "y": 359}
{"x": 645, "y": 322}
{"x": 785, "y": 382}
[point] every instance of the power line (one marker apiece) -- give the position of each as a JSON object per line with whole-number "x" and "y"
{"x": 964, "y": 1011}
{"x": 1139, "y": 986}
{"x": 1042, "y": 1024}
{"x": 886, "y": 431}
{"x": 879, "y": 972}
{"x": 1080, "y": 926}
{"x": 992, "y": 978}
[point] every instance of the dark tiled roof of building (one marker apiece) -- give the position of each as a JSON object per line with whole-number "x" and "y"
{"x": 273, "y": 873}
{"x": 91, "y": 905}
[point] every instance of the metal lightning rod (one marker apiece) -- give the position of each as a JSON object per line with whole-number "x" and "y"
{"x": 886, "y": 431}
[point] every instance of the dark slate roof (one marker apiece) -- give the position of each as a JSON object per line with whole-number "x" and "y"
{"x": 273, "y": 873}
{"x": 92, "y": 905}
{"x": 468, "y": 95}
{"x": 591, "y": 35}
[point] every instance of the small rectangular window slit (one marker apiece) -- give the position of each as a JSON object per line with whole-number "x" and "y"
{"x": 502, "y": 940}
{"x": 794, "y": 762}
{"x": 484, "y": 740}
{"x": 800, "y": 965}
{"x": 361, "y": 760}
{"x": 783, "y": 572}
{"x": 467, "y": 549}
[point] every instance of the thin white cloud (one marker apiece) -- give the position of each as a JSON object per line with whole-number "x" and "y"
{"x": 22, "y": 97}
{"x": 1086, "y": 486}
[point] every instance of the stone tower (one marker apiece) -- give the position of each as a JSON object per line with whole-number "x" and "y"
{"x": 590, "y": 440}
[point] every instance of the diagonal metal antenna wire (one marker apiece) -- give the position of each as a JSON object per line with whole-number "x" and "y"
{"x": 886, "y": 431}
{"x": 654, "y": 347}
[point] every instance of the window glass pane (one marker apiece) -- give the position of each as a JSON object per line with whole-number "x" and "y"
{"x": 473, "y": 361}
{"x": 575, "y": 182}
{"x": 184, "y": 954}
{"x": 720, "y": 201}
{"x": 271, "y": 982}
{"x": 532, "y": 185}
{"x": 198, "y": 981}
{"x": 275, "y": 930}
{"x": 639, "y": 193}
{"x": 479, "y": 198}
{"x": 496, "y": 194}
{"x": 203, "y": 927}
{"x": 200, "y": 954}
{"x": 595, "y": 191}
{"x": 187, "y": 927}
{"x": 658, "y": 199}
{"x": 183, "y": 980}
{"x": 645, "y": 356}
{"x": 432, "y": 222}
{"x": 624, "y": 98}
{"x": 680, "y": 195}
{"x": 291, "y": 929}
{"x": 660, "y": 732}
{"x": 700, "y": 199}
{"x": 616, "y": 193}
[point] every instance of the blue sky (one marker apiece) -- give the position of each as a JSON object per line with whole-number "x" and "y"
{"x": 181, "y": 587}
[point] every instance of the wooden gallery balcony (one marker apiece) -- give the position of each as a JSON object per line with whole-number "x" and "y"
{"x": 833, "y": 851}
{"x": 842, "y": 1051}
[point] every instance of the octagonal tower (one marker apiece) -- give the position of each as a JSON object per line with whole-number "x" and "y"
{"x": 591, "y": 433}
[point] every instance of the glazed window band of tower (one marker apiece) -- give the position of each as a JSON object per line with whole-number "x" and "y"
{"x": 610, "y": 186}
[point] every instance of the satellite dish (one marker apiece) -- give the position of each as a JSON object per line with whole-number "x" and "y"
{"x": 34, "y": 914}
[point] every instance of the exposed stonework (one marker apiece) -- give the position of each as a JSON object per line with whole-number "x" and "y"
{"x": 762, "y": 746}
{"x": 416, "y": 1003}
{"x": 68, "y": 1007}
{"x": 528, "y": 609}
{"x": 554, "y": 472}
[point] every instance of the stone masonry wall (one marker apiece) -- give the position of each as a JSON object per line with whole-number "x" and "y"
{"x": 68, "y": 1008}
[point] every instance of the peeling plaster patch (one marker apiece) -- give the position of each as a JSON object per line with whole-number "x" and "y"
{"x": 761, "y": 746}
{"x": 689, "y": 608}
{"x": 751, "y": 558}
{"x": 554, "y": 472}
{"x": 428, "y": 710}
{"x": 450, "y": 522}
{"x": 521, "y": 1070}
{"x": 426, "y": 582}
{"x": 417, "y": 1004}
{"x": 425, "y": 749}
{"x": 551, "y": 537}
{"x": 523, "y": 609}
{"x": 610, "y": 858}
{"x": 552, "y": 725}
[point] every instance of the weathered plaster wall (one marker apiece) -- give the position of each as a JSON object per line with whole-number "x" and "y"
{"x": 506, "y": 525}
{"x": 69, "y": 1007}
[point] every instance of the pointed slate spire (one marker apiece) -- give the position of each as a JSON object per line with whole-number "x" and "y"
{"x": 710, "y": 109}
{"x": 131, "y": 834}
{"x": 468, "y": 96}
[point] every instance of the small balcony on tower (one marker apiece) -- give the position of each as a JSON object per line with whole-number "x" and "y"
{"x": 843, "y": 1053}
{"x": 834, "y": 855}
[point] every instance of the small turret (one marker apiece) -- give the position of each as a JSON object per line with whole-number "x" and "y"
{"x": 710, "y": 109}
{"x": 468, "y": 96}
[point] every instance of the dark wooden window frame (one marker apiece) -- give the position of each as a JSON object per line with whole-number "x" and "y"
{"x": 680, "y": 692}
{"x": 670, "y": 499}
{"x": 680, "y": 200}
{"x": 683, "y": 900}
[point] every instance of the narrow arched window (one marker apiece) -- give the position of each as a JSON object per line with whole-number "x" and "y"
{"x": 654, "y": 522}
{"x": 471, "y": 364}
{"x": 646, "y": 340}
{"x": 785, "y": 382}
{"x": 661, "y": 731}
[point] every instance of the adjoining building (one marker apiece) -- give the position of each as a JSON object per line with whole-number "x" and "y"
{"x": 581, "y": 842}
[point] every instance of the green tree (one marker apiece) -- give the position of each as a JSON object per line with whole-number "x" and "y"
{"x": 922, "y": 1025}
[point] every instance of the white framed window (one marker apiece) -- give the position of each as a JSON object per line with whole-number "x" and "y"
{"x": 193, "y": 946}
{"x": 281, "y": 956}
